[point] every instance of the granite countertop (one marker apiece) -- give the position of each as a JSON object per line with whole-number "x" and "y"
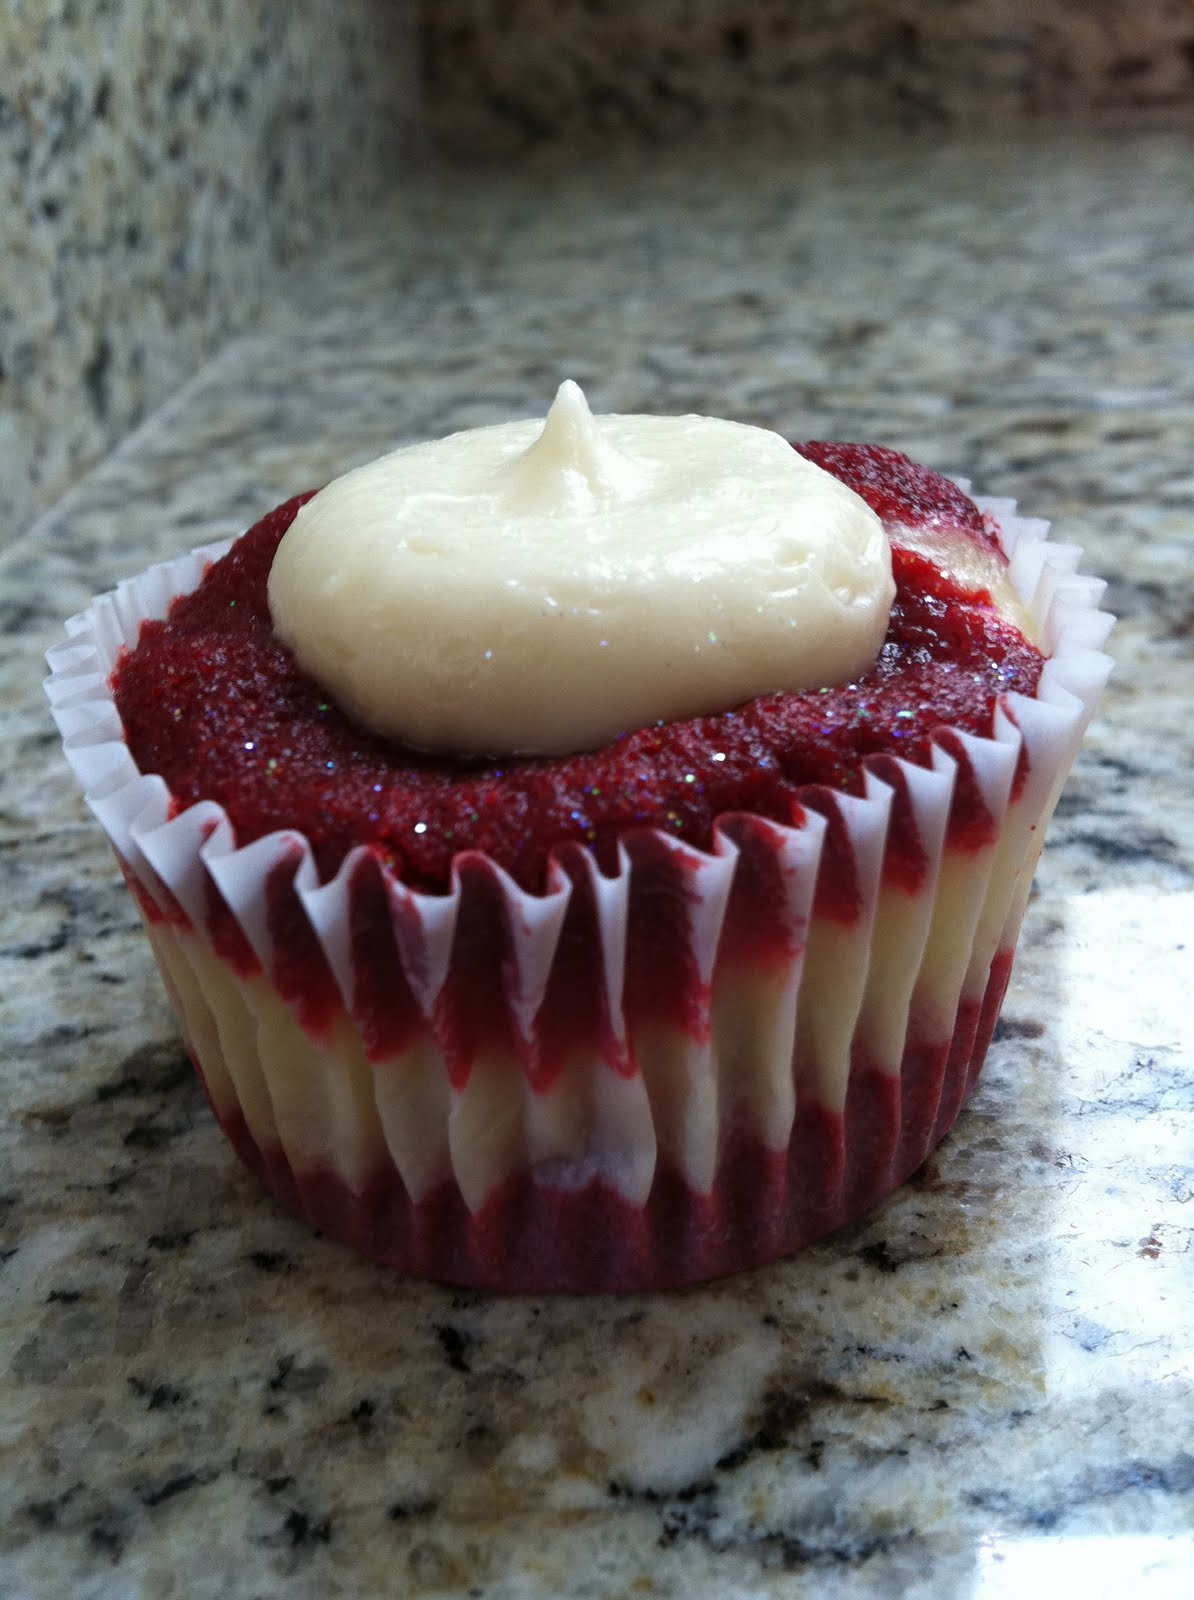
{"x": 984, "y": 1389}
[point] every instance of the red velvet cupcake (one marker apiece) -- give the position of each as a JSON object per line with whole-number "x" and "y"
{"x": 627, "y": 1016}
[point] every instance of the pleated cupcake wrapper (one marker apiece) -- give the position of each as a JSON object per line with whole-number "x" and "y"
{"x": 669, "y": 1074}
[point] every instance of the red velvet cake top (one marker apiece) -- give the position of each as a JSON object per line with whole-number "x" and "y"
{"x": 899, "y": 491}
{"x": 212, "y": 701}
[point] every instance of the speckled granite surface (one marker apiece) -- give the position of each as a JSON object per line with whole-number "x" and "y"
{"x": 506, "y": 75}
{"x": 983, "y": 1390}
{"x": 157, "y": 165}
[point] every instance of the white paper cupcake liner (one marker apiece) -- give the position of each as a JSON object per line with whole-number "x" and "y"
{"x": 722, "y": 1109}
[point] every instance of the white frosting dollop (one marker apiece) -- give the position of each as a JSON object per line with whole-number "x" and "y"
{"x": 542, "y": 587}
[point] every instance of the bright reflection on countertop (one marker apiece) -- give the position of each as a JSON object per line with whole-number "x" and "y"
{"x": 1149, "y": 938}
{"x": 1121, "y": 1281}
{"x": 1102, "y": 1567}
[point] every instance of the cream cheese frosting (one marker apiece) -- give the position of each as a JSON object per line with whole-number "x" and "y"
{"x": 542, "y": 587}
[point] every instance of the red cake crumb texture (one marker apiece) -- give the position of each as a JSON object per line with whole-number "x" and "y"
{"x": 212, "y": 701}
{"x": 899, "y": 491}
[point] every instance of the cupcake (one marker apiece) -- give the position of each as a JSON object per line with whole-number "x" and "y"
{"x": 589, "y": 855}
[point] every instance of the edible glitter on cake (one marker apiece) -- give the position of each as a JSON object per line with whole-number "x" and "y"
{"x": 241, "y": 712}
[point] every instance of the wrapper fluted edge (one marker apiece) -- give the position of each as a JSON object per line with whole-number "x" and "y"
{"x": 751, "y": 1067}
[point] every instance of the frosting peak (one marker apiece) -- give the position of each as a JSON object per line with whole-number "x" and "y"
{"x": 571, "y": 466}
{"x": 541, "y": 588}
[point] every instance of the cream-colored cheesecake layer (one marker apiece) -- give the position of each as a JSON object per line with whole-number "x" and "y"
{"x": 956, "y": 912}
{"x": 754, "y": 1021}
{"x": 414, "y": 1102}
{"x": 902, "y": 923}
{"x": 591, "y": 1122}
{"x": 972, "y": 565}
{"x": 314, "y": 1100}
{"x": 326, "y": 1106}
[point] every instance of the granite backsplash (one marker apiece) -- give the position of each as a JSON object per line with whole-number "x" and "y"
{"x": 160, "y": 163}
